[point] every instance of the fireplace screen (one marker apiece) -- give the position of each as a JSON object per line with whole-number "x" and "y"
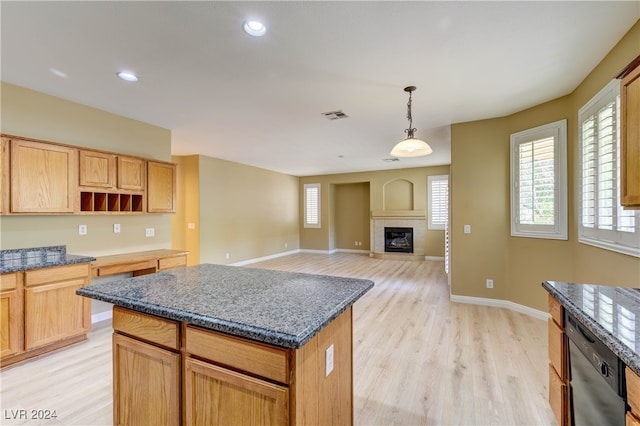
{"x": 398, "y": 240}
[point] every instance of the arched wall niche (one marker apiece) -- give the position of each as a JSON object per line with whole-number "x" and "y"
{"x": 397, "y": 195}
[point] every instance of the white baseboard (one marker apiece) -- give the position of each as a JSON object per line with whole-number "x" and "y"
{"x": 317, "y": 251}
{"x": 438, "y": 258}
{"x": 498, "y": 303}
{"x": 351, "y": 251}
{"x": 260, "y": 259}
{"x": 101, "y": 316}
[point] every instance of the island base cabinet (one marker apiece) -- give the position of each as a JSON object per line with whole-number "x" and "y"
{"x": 11, "y": 314}
{"x": 217, "y": 396}
{"x": 146, "y": 383}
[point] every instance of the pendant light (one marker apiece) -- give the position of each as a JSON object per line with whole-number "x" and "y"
{"x": 410, "y": 147}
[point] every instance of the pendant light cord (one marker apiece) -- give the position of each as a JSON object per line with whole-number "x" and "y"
{"x": 410, "y": 130}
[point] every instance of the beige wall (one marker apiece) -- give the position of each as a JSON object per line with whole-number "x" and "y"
{"x": 241, "y": 210}
{"x": 322, "y": 238}
{"x": 480, "y": 197}
{"x": 36, "y": 115}
{"x": 352, "y": 216}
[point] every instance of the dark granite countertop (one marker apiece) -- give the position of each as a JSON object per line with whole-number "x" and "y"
{"x": 611, "y": 313}
{"x": 38, "y": 257}
{"x": 285, "y": 309}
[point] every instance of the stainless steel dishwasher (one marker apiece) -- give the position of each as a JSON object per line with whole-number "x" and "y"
{"x": 597, "y": 379}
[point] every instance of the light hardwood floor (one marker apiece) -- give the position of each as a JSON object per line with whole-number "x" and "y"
{"x": 418, "y": 358}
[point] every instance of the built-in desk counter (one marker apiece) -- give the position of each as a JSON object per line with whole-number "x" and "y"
{"x": 138, "y": 263}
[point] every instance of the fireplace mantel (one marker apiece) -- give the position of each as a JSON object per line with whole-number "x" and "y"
{"x": 399, "y": 214}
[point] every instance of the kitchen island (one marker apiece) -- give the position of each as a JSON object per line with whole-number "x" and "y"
{"x": 214, "y": 344}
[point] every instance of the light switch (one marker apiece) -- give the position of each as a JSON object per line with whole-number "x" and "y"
{"x": 82, "y": 229}
{"x": 467, "y": 229}
{"x": 116, "y": 228}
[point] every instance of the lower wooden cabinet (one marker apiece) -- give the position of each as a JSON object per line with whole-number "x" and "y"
{"x": 632, "y": 420}
{"x": 40, "y": 311}
{"x": 11, "y": 314}
{"x": 226, "y": 380}
{"x": 218, "y": 396}
{"x": 633, "y": 397}
{"x": 559, "y": 384}
{"x": 146, "y": 383}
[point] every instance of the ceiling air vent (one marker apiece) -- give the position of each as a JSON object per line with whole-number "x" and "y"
{"x": 391, "y": 160}
{"x": 335, "y": 115}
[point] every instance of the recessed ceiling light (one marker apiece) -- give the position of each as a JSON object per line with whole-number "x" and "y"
{"x": 57, "y": 72}
{"x": 127, "y": 76}
{"x": 255, "y": 28}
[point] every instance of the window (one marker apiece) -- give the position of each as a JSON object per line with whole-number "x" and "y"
{"x": 312, "y": 205}
{"x": 438, "y": 196}
{"x": 602, "y": 221}
{"x": 539, "y": 182}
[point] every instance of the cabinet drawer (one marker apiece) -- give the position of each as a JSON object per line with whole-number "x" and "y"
{"x": 558, "y": 350}
{"x": 240, "y": 354}
{"x": 57, "y": 273}
{"x": 127, "y": 267}
{"x": 8, "y": 281}
{"x": 153, "y": 329}
{"x": 558, "y": 397}
{"x": 633, "y": 391}
{"x": 556, "y": 310}
{"x": 172, "y": 262}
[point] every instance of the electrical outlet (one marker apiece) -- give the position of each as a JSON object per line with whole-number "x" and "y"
{"x": 489, "y": 283}
{"x": 286, "y": 245}
{"x": 467, "y": 229}
{"x": 150, "y": 232}
{"x": 328, "y": 366}
{"x": 116, "y": 228}
{"x": 82, "y": 229}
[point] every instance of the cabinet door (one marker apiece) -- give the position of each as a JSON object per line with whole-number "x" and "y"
{"x": 217, "y": 396}
{"x": 131, "y": 173}
{"x": 630, "y": 143}
{"x": 11, "y": 319}
{"x": 97, "y": 169}
{"x": 161, "y": 187}
{"x": 146, "y": 383}
{"x": 43, "y": 177}
{"x": 4, "y": 175}
{"x": 54, "y": 312}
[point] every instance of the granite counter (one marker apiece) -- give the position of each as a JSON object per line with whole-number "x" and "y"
{"x": 611, "y": 313}
{"x": 13, "y": 260}
{"x": 285, "y": 309}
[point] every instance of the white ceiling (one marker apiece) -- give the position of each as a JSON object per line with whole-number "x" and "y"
{"x": 259, "y": 101}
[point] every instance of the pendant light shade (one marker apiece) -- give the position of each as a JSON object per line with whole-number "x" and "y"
{"x": 410, "y": 147}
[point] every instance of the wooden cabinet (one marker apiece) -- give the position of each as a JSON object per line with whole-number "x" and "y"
{"x": 40, "y": 311}
{"x": 131, "y": 173}
{"x": 633, "y": 397}
{"x": 4, "y": 175}
{"x": 630, "y": 140}
{"x": 559, "y": 383}
{"x": 43, "y": 177}
{"x": 53, "y": 311}
{"x": 146, "y": 383}
{"x": 161, "y": 187}
{"x": 146, "y": 361}
{"x": 225, "y": 379}
{"x": 218, "y": 396}
{"x": 40, "y": 177}
{"x": 97, "y": 169}
{"x": 11, "y": 314}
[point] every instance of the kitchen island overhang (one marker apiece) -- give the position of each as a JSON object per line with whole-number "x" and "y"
{"x": 232, "y": 328}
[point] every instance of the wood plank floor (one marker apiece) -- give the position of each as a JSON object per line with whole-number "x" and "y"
{"x": 418, "y": 359}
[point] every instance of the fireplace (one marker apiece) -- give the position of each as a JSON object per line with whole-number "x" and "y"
{"x": 398, "y": 240}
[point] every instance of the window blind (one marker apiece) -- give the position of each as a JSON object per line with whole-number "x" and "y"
{"x": 312, "y": 205}
{"x": 603, "y": 222}
{"x": 438, "y": 196}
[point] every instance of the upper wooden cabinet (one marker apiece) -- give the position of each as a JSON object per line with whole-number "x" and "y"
{"x": 131, "y": 173}
{"x": 161, "y": 187}
{"x": 630, "y": 141}
{"x": 97, "y": 169}
{"x": 40, "y": 177}
{"x": 43, "y": 177}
